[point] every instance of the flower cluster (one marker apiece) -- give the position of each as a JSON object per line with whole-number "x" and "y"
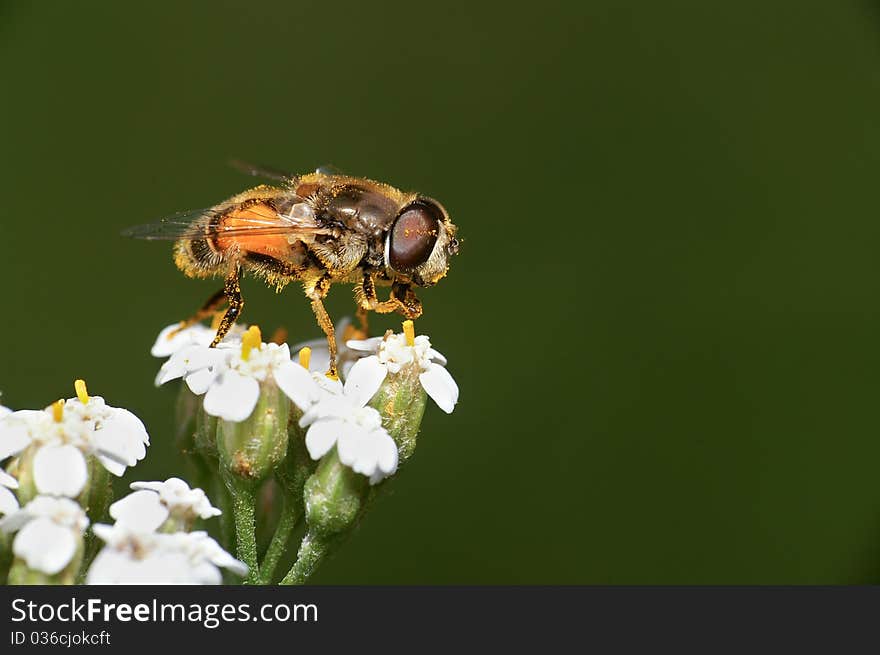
{"x": 158, "y": 505}
{"x": 58, "y": 441}
{"x": 254, "y": 420}
{"x": 55, "y": 467}
{"x": 393, "y": 353}
{"x": 151, "y": 542}
{"x": 232, "y": 377}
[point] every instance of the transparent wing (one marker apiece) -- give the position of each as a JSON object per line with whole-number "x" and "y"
{"x": 195, "y": 224}
{"x": 329, "y": 169}
{"x": 176, "y": 226}
{"x": 258, "y": 170}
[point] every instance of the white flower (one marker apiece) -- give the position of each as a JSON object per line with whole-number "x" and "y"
{"x": 391, "y": 354}
{"x": 338, "y": 417}
{"x": 172, "y": 339}
{"x": 64, "y": 434}
{"x": 4, "y": 411}
{"x": 150, "y": 505}
{"x": 230, "y": 375}
{"x": 132, "y": 557}
{"x": 49, "y": 532}
{"x": 8, "y": 501}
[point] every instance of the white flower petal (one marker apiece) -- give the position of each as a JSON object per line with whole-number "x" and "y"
{"x": 171, "y": 370}
{"x": 115, "y": 467}
{"x": 364, "y": 345}
{"x": 122, "y": 419}
{"x": 60, "y": 470}
{"x": 113, "y": 567}
{"x": 141, "y": 511}
{"x": 387, "y": 453}
{"x": 322, "y": 435}
{"x": 436, "y": 356}
{"x": 372, "y": 453}
{"x": 200, "y": 381}
{"x": 438, "y": 383}
{"x": 297, "y": 384}
{"x": 172, "y": 339}
{"x": 119, "y": 444}
{"x": 4, "y": 411}
{"x": 364, "y": 380}
{"x": 7, "y": 480}
{"x": 14, "y": 435}
{"x": 45, "y": 546}
{"x": 8, "y": 501}
{"x": 157, "y": 558}
{"x": 352, "y": 446}
{"x": 233, "y": 397}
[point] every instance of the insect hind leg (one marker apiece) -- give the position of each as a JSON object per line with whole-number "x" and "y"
{"x": 209, "y": 308}
{"x": 232, "y": 293}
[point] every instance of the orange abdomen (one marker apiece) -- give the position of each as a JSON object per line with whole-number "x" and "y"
{"x": 257, "y": 215}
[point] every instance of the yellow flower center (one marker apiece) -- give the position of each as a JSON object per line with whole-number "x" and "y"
{"x": 409, "y": 331}
{"x": 305, "y": 356}
{"x": 81, "y": 391}
{"x": 58, "y": 410}
{"x": 250, "y": 340}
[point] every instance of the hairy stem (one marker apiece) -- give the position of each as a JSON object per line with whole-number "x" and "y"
{"x": 244, "y": 507}
{"x": 313, "y": 549}
{"x": 290, "y": 515}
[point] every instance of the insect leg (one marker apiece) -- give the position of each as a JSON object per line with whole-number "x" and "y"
{"x": 409, "y": 305}
{"x": 232, "y": 292}
{"x": 365, "y": 294}
{"x": 324, "y": 321}
{"x": 210, "y": 308}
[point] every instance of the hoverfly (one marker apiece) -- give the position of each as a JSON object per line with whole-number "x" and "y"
{"x": 318, "y": 229}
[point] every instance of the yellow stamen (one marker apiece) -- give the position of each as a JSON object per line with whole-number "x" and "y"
{"x": 250, "y": 340}
{"x": 410, "y": 332}
{"x": 58, "y": 410}
{"x": 81, "y": 392}
{"x": 215, "y": 322}
{"x": 332, "y": 375}
{"x": 305, "y": 356}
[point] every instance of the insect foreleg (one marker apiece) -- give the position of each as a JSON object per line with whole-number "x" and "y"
{"x": 232, "y": 293}
{"x": 409, "y": 305}
{"x": 365, "y": 294}
{"x": 402, "y": 299}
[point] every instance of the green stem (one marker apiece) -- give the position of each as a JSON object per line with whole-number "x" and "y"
{"x": 221, "y": 497}
{"x": 244, "y": 509}
{"x": 313, "y": 549}
{"x": 290, "y": 514}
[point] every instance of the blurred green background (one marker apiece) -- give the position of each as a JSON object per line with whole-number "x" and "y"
{"x": 664, "y": 317}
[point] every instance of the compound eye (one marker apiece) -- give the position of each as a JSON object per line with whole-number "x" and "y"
{"x": 414, "y": 235}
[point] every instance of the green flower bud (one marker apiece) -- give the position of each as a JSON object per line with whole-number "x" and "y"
{"x": 333, "y": 496}
{"x": 252, "y": 448}
{"x": 401, "y": 401}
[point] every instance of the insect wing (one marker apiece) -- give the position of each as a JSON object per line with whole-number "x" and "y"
{"x": 178, "y": 226}
{"x": 239, "y": 223}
